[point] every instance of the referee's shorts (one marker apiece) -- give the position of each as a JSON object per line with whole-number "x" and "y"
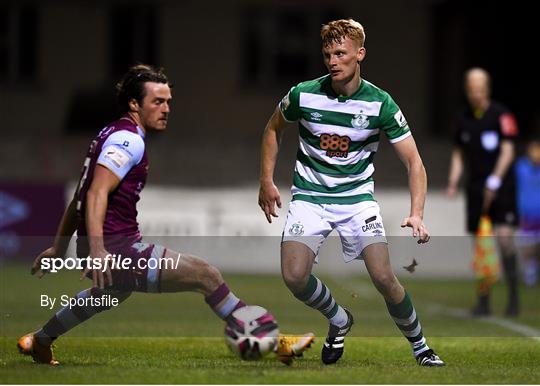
{"x": 503, "y": 210}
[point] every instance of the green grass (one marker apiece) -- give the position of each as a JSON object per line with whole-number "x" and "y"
{"x": 207, "y": 361}
{"x": 175, "y": 338}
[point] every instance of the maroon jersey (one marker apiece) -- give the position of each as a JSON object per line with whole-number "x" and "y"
{"x": 120, "y": 148}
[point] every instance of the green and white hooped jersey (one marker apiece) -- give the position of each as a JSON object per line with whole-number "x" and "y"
{"x": 339, "y": 137}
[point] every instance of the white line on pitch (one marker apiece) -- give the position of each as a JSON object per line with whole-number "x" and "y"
{"x": 460, "y": 313}
{"x": 369, "y": 292}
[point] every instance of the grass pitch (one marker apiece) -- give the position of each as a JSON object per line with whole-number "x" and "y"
{"x": 175, "y": 338}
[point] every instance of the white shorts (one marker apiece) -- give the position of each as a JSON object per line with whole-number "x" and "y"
{"x": 358, "y": 225}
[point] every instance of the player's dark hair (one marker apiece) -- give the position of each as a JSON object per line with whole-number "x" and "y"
{"x": 131, "y": 86}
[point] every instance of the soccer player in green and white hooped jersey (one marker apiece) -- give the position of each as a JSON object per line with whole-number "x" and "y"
{"x": 340, "y": 118}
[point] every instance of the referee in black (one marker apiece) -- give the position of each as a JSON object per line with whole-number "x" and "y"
{"x": 484, "y": 143}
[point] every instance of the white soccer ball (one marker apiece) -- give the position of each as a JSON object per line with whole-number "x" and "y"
{"x": 251, "y": 332}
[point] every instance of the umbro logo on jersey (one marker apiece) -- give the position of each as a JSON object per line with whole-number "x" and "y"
{"x": 316, "y": 116}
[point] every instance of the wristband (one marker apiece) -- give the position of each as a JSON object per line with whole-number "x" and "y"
{"x": 493, "y": 182}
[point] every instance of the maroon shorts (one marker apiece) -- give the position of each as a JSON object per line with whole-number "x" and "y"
{"x": 144, "y": 273}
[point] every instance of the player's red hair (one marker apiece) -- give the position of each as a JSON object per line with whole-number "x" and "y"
{"x": 336, "y": 30}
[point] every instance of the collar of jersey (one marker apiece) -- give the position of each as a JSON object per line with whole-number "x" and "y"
{"x": 139, "y": 130}
{"x": 342, "y": 98}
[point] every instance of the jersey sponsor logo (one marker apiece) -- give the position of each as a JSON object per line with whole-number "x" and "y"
{"x": 509, "y": 125}
{"x": 125, "y": 144}
{"x": 296, "y": 229}
{"x": 360, "y": 121}
{"x": 372, "y": 226}
{"x": 335, "y": 145}
{"x": 118, "y": 157}
{"x": 316, "y": 116}
{"x": 490, "y": 140}
{"x": 400, "y": 119}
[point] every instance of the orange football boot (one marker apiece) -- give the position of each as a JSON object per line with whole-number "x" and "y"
{"x": 293, "y": 346}
{"x": 29, "y": 345}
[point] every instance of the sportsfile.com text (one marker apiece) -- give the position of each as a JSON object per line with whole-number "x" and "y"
{"x": 111, "y": 261}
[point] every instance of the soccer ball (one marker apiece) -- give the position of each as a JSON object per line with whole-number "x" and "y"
{"x": 251, "y": 332}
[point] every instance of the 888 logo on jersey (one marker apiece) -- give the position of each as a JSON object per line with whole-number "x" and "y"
{"x": 335, "y": 145}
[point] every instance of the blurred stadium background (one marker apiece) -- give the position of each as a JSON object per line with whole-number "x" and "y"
{"x": 230, "y": 63}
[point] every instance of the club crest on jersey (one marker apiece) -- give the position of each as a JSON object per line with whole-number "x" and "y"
{"x": 297, "y": 229}
{"x": 360, "y": 121}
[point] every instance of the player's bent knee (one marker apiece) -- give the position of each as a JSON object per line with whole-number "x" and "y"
{"x": 296, "y": 264}
{"x": 213, "y": 274}
{"x": 207, "y": 275}
{"x": 386, "y": 283}
{"x": 295, "y": 280}
{"x": 295, "y": 277}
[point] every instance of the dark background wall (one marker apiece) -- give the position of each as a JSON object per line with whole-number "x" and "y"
{"x": 499, "y": 36}
{"x": 230, "y": 63}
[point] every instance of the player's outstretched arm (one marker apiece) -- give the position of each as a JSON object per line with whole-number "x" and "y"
{"x": 455, "y": 172}
{"x": 494, "y": 181}
{"x": 268, "y": 192}
{"x": 103, "y": 183}
{"x": 66, "y": 228}
{"x": 408, "y": 153}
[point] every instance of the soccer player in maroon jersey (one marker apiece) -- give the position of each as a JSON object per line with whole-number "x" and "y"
{"x": 103, "y": 211}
